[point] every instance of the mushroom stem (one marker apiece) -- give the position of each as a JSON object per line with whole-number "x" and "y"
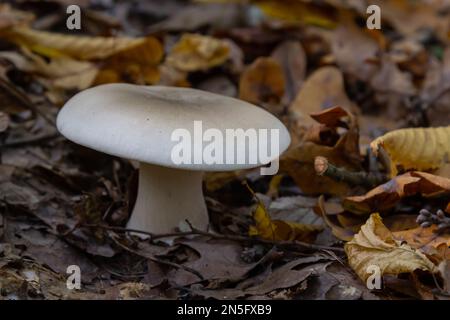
{"x": 166, "y": 197}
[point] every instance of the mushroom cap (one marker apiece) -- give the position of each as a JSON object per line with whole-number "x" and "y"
{"x": 136, "y": 122}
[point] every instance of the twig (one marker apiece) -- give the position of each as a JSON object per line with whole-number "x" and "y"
{"x": 152, "y": 236}
{"x": 158, "y": 260}
{"x": 11, "y": 89}
{"x": 286, "y": 244}
{"x": 33, "y": 140}
{"x": 292, "y": 244}
{"x": 361, "y": 178}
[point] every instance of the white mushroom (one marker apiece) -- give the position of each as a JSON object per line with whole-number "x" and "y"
{"x": 144, "y": 123}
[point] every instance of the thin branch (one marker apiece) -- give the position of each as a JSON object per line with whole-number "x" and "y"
{"x": 158, "y": 260}
{"x": 291, "y": 244}
{"x": 298, "y": 245}
{"x": 360, "y": 178}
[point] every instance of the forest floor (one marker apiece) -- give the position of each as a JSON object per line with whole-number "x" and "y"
{"x": 356, "y": 197}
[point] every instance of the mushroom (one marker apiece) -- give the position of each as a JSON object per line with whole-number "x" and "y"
{"x": 151, "y": 124}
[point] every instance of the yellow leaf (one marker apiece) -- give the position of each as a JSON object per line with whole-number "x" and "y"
{"x": 80, "y": 47}
{"x": 195, "y": 52}
{"x": 62, "y": 72}
{"x": 290, "y": 11}
{"x": 278, "y": 230}
{"x": 375, "y": 245}
{"x": 137, "y": 64}
{"x": 296, "y": 11}
{"x": 415, "y": 148}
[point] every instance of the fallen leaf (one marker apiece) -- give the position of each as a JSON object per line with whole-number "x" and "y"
{"x": 415, "y": 148}
{"x": 218, "y": 260}
{"x": 194, "y": 52}
{"x": 375, "y": 245}
{"x": 389, "y": 194}
{"x": 280, "y": 230}
{"x": 298, "y": 161}
{"x": 138, "y": 64}
{"x": 423, "y": 238}
{"x": 79, "y": 47}
{"x": 323, "y": 89}
{"x": 263, "y": 83}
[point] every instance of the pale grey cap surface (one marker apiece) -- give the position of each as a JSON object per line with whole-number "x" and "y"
{"x": 137, "y": 122}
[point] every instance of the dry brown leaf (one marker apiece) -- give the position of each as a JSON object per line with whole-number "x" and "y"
{"x": 263, "y": 83}
{"x": 195, "y": 52}
{"x": 298, "y": 161}
{"x": 389, "y": 194}
{"x": 415, "y": 148}
{"x": 375, "y": 245}
{"x": 79, "y": 47}
{"x": 64, "y": 72}
{"x": 323, "y": 89}
{"x": 423, "y": 238}
{"x": 340, "y": 232}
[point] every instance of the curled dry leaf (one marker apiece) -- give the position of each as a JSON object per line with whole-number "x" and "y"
{"x": 298, "y": 162}
{"x": 62, "y": 72}
{"x": 195, "y": 52}
{"x": 263, "y": 83}
{"x": 323, "y": 89}
{"x": 375, "y": 245}
{"x": 389, "y": 194}
{"x": 415, "y": 148}
{"x": 79, "y": 47}
{"x": 279, "y": 230}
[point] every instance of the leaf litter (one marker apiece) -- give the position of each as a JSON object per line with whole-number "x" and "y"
{"x": 365, "y": 103}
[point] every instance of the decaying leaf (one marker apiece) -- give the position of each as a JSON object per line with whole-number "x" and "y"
{"x": 423, "y": 238}
{"x": 64, "y": 72}
{"x": 137, "y": 64}
{"x": 10, "y": 17}
{"x": 296, "y": 11}
{"x": 195, "y": 52}
{"x": 79, "y": 47}
{"x": 375, "y": 245}
{"x": 298, "y": 161}
{"x": 322, "y": 89}
{"x": 263, "y": 83}
{"x": 415, "y": 148}
{"x": 389, "y": 194}
{"x": 279, "y": 230}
